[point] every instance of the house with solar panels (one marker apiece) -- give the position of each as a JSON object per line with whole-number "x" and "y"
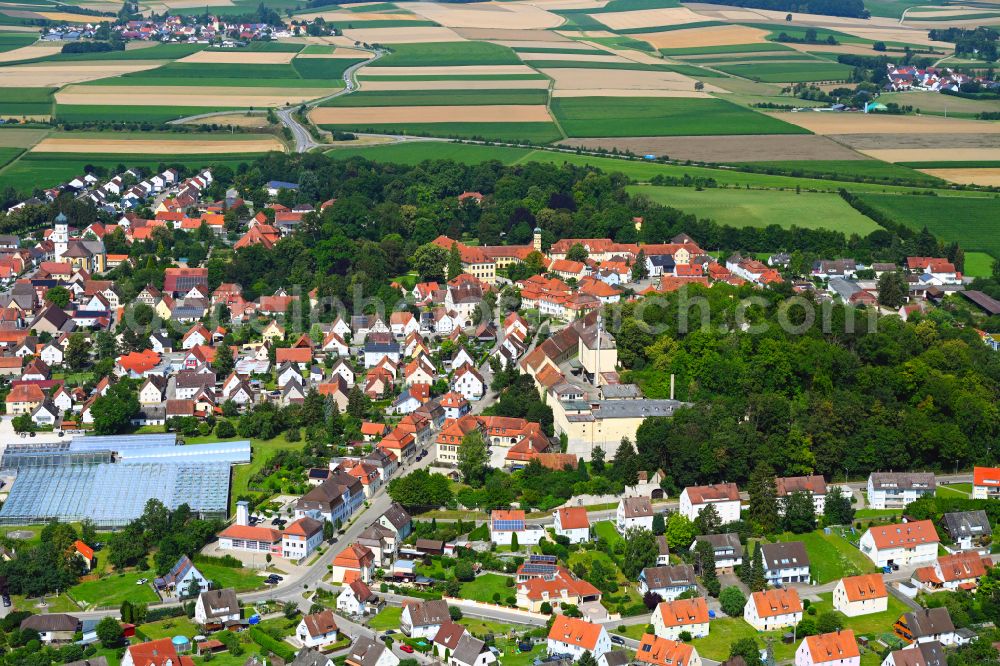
{"x": 504, "y": 524}
{"x": 109, "y": 479}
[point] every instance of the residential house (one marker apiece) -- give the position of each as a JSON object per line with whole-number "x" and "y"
{"x": 953, "y": 572}
{"x": 894, "y": 490}
{"x": 669, "y": 582}
{"x": 929, "y": 624}
{"x": 986, "y": 483}
{"x": 217, "y": 608}
{"x": 505, "y": 524}
{"x": 317, "y": 630}
{"x": 367, "y": 652}
{"x": 397, "y": 519}
{"x": 356, "y": 599}
{"x": 572, "y": 523}
{"x": 657, "y": 651}
{"x": 545, "y": 583}
{"x": 52, "y": 628}
{"x": 355, "y": 562}
{"x": 771, "y": 610}
{"x": 183, "y": 578}
{"x": 930, "y": 653}
{"x": 901, "y": 544}
{"x": 814, "y": 486}
{"x": 160, "y": 652}
{"x": 725, "y": 497}
{"x": 634, "y": 512}
{"x": 301, "y": 538}
{"x": 571, "y": 637}
{"x": 469, "y": 383}
{"x": 727, "y": 548}
{"x": 672, "y": 618}
{"x": 838, "y": 647}
{"x": 861, "y": 595}
{"x": 785, "y": 562}
{"x": 423, "y": 619}
{"x": 969, "y": 531}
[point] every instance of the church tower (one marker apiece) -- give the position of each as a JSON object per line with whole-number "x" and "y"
{"x": 536, "y": 241}
{"x": 60, "y": 236}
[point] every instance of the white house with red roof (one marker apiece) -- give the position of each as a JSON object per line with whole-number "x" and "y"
{"x": 571, "y": 637}
{"x": 160, "y": 652}
{"x": 725, "y": 497}
{"x": 861, "y": 595}
{"x": 572, "y": 523}
{"x": 770, "y": 610}
{"x": 672, "y": 618}
{"x": 836, "y": 648}
{"x": 986, "y": 483}
{"x": 469, "y": 383}
{"x": 900, "y": 544}
{"x": 356, "y": 562}
{"x": 301, "y": 538}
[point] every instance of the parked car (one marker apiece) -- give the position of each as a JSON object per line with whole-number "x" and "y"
{"x": 142, "y": 581}
{"x": 406, "y": 648}
{"x": 618, "y": 640}
{"x": 6, "y": 601}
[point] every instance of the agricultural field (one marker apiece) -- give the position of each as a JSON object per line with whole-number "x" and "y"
{"x": 600, "y": 116}
{"x": 26, "y": 102}
{"x": 447, "y": 54}
{"x": 761, "y": 208}
{"x": 972, "y": 222}
{"x": 415, "y": 152}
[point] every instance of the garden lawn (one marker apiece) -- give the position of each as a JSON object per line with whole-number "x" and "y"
{"x": 511, "y": 656}
{"x": 978, "y": 264}
{"x": 485, "y": 587}
{"x": 726, "y": 630}
{"x": 170, "y": 627}
{"x": 870, "y": 625}
{"x": 114, "y": 589}
{"x": 387, "y": 618}
{"x": 762, "y": 208}
{"x": 664, "y": 116}
{"x": 482, "y": 627}
{"x": 974, "y": 223}
{"x": 444, "y": 54}
{"x": 59, "y": 604}
{"x": 831, "y": 557}
{"x": 243, "y": 580}
{"x": 605, "y": 529}
{"x": 954, "y": 490}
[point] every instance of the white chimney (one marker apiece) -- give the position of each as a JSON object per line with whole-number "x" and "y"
{"x": 242, "y": 513}
{"x": 671, "y": 386}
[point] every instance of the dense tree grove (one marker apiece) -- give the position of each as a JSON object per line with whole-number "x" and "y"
{"x": 921, "y": 394}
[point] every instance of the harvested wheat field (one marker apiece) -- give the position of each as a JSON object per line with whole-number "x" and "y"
{"x": 200, "y": 146}
{"x": 51, "y": 75}
{"x": 572, "y": 78}
{"x": 375, "y": 115}
{"x": 573, "y": 57}
{"x": 186, "y": 96}
{"x": 858, "y": 123}
{"x": 413, "y": 35}
{"x": 487, "y": 15}
{"x": 987, "y": 177}
{"x": 458, "y": 84}
{"x": 853, "y": 49}
{"x": 624, "y": 92}
{"x": 38, "y": 50}
{"x": 719, "y": 35}
{"x": 934, "y": 154}
{"x": 461, "y": 70}
{"x": 354, "y": 17}
{"x": 762, "y": 148}
{"x": 238, "y": 58}
{"x": 925, "y": 141}
{"x": 897, "y": 35}
{"x": 647, "y": 18}
{"x": 559, "y": 5}
{"x": 536, "y": 44}
{"x": 339, "y": 52}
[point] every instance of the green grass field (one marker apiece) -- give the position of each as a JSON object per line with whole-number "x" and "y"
{"x": 789, "y": 72}
{"x": 841, "y": 169}
{"x": 325, "y": 69}
{"x": 261, "y": 47}
{"x": 974, "y": 223}
{"x": 194, "y": 71}
{"x": 638, "y": 116}
{"x": 932, "y": 102}
{"x": 387, "y": 618}
{"x": 114, "y": 589}
{"x": 694, "y": 71}
{"x": 439, "y": 98}
{"x": 139, "y": 114}
{"x": 158, "y": 52}
{"x": 37, "y": 170}
{"x": 170, "y": 627}
{"x": 875, "y": 623}
{"x": 761, "y": 208}
{"x": 442, "y": 54}
{"x": 168, "y": 81}
{"x": 242, "y": 580}
{"x": 15, "y": 40}
{"x": 26, "y": 101}
{"x": 7, "y": 155}
{"x": 415, "y": 153}
{"x": 539, "y": 133}
{"x": 978, "y": 264}
{"x": 831, "y": 557}
{"x": 453, "y": 77}
{"x": 724, "y": 631}
{"x": 485, "y": 588}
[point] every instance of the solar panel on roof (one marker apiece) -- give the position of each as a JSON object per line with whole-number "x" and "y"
{"x": 537, "y": 568}
{"x": 550, "y": 559}
{"x": 508, "y": 525}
